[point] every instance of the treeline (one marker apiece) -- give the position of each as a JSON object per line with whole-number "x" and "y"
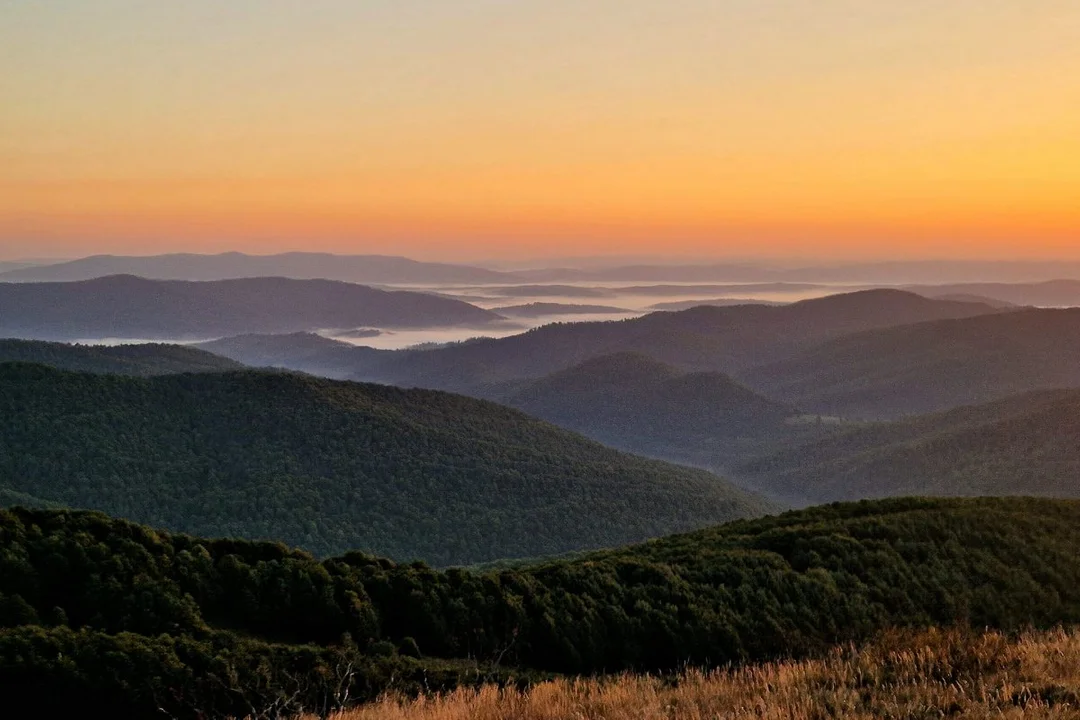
{"x": 155, "y": 605}
{"x": 142, "y": 360}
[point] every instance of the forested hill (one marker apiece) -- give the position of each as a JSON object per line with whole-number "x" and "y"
{"x": 633, "y": 402}
{"x": 331, "y": 466}
{"x": 141, "y": 360}
{"x": 1023, "y": 445}
{"x": 200, "y": 613}
{"x": 126, "y": 306}
{"x": 702, "y": 339}
{"x": 303, "y": 351}
{"x": 931, "y": 366}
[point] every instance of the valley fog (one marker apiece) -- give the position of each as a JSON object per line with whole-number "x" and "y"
{"x": 624, "y": 302}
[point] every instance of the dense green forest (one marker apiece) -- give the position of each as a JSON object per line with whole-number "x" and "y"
{"x": 130, "y": 619}
{"x": 141, "y": 360}
{"x": 303, "y": 351}
{"x": 931, "y": 366}
{"x": 1024, "y": 445}
{"x": 632, "y": 402}
{"x": 332, "y": 466}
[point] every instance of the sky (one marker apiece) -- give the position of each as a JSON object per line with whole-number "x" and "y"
{"x": 462, "y": 129}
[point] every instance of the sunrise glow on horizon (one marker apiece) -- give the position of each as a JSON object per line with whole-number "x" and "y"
{"x": 487, "y": 128}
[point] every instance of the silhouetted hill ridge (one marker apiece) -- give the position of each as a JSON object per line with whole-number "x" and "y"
{"x": 372, "y": 269}
{"x": 139, "y": 360}
{"x": 931, "y": 366}
{"x": 1022, "y": 445}
{"x": 133, "y": 307}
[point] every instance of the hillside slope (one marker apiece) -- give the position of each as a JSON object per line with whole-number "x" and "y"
{"x": 131, "y": 307}
{"x": 1051, "y": 293}
{"x": 331, "y": 466}
{"x": 703, "y": 339}
{"x": 717, "y": 339}
{"x": 925, "y": 367}
{"x": 139, "y": 360}
{"x": 200, "y": 614}
{"x": 630, "y": 401}
{"x": 1024, "y": 445}
{"x": 303, "y": 351}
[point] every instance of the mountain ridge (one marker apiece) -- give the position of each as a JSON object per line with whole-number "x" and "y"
{"x": 375, "y": 269}
{"x": 138, "y": 360}
{"x": 132, "y": 307}
{"x": 630, "y": 401}
{"x": 1021, "y": 445}
{"x": 336, "y": 465}
{"x": 931, "y": 366}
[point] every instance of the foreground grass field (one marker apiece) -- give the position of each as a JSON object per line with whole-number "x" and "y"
{"x": 931, "y": 674}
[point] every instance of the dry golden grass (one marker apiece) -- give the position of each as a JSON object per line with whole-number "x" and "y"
{"x": 931, "y": 674}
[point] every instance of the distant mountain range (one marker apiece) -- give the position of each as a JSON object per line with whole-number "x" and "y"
{"x": 1023, "y": 445}
{"x": 730, "y": 340}
{"x": 369, "y": 269}
{"x": 967, "y": 297}
{"x": 9, "y": 266}
{"x": 334, "y": 466}
{"x": 930, "y": 366}
{"x": 706, "y": 339}
{"x": 886, "y": 273}
{"x": 1052, "y": 293}
{"x": 677, "y": 305}
{"x": 672, "y": 290}
{"x": 130, "y": 307}
{"x": 542, "y": 309}
{"x": 392, "y": 270}
{"x": 563, "y": 291}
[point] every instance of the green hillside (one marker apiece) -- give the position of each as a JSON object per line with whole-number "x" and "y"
{"x": 189, "y": 624}
{"x": 331, "y": 466}
{"x": 930, "y": 366}
{"x": 303, "y": 351}
{"x": 1024, "y": 445}
{"x": 630, "y": 401}
{"x": 142, "y": 360}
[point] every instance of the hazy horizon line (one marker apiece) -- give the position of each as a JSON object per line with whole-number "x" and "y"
{"x": 593, "y": 259}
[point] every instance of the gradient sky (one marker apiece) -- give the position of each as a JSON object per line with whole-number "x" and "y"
{"x": 502, "y": 128}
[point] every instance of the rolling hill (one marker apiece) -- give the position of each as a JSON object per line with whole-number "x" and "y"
{"x": 370, "y": 269}
{"x": 677, "y": 305}
{"x": 131, "y": 307}
{"x": 707, "y": 339}
{"x": 883, "y": 273}
{"x": 139, "y": 360}
{"x": 542, "y": 309}
{"x": 303, "y": 351}
{"x": 332, "y": 466}
{"x": 1023, "y": 445}
{"x": 632, "y": 402}
{"x": 1051, "y": 293}
{"x": 133, "y": 619}
{"x": 926, "y": 367}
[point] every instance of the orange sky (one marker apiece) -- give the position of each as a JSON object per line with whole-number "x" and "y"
{"x": 485, "y": 128}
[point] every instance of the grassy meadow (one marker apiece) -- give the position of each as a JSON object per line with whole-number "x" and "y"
{"x": 929, "y": 674}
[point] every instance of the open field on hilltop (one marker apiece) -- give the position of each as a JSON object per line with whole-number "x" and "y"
{"x": 930, "y": 674}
